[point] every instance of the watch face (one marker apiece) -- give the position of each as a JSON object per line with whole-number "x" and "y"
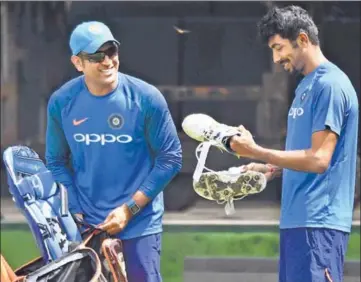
{"x": 134, "y": 209}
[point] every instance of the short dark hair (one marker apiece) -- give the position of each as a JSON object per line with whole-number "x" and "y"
{"x": 288, "y": 22}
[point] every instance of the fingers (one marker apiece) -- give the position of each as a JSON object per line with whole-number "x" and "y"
{"x": 241, "y": 128}
{"x": 113, "y": 231}
{"x": 114, "y": 222}
{"x": 246, "y": 134}
{"x": 250, "y": 166}
{"x": 79, "y": 215}
{"x": 112, "y": 227}
{"x": 106, "y": 225}
{"x": 109, "y": 217}
{"x": 255, "y": 167}
{"x": 268, "y": 175}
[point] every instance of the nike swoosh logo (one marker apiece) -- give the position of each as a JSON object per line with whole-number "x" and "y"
{"x": 78, "y": 122}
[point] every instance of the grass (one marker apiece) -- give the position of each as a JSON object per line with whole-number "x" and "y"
{"x": 18, "y": 247}
{"x": 176, "y": 246}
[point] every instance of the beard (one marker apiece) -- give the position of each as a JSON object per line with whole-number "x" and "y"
{"x": 293, "y": 70}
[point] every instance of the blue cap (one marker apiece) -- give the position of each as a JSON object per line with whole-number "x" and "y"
{"x": 89, "y": 37}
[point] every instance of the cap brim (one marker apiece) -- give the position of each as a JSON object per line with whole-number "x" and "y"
{"x": 96, "y": 44}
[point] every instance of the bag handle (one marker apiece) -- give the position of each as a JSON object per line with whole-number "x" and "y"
{"x": 78, "y": 220}
{"x": 94, "y": 230}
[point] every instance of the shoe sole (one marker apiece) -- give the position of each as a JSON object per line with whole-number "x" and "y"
{"x": 211, "y": 187}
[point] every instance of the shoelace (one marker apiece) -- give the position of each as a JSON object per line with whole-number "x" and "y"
{"x": 201, "y": 154}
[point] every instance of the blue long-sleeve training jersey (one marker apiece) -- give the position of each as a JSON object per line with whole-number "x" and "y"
{"x": 104, "y": 149}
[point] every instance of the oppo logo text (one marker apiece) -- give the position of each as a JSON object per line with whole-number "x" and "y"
{"x": 295, "y": 112}
{"x": 102, "y": 139}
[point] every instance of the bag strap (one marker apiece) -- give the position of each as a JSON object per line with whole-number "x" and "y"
{"x": 93, "y": 229}
{"x": 55, "y": 265}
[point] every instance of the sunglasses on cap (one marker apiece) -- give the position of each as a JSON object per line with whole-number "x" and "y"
{"x": 99, "y": 56}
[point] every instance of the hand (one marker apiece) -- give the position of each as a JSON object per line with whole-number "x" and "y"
{"x": 243, "y": 145}
{"x": 263, "y": 168}
{"x": 269, "y": 170}
{"x": 117, "y": 220}
{"x": 79, "y": 215}
{"x": 78, "y": 218}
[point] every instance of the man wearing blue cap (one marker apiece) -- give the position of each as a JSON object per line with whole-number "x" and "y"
{"x": 123, "y": 145}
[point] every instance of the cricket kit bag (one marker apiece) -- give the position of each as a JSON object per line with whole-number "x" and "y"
{"x": 43, "y": 202}
{"x": 109, "y": 251}
{"x": 83, "y": 264}
{"x": 80, "y": 265}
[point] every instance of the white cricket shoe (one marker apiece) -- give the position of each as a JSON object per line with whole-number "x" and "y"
{"x": 203, "y": 128}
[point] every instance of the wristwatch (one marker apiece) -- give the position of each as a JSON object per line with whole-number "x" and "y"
{"x": 133, "y": 207}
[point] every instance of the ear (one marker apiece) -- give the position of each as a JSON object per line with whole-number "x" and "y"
{"x": 302, "y": 39}
{"x": 77, "y": 62}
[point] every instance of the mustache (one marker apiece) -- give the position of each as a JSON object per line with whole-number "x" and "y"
{"x": 284, "y": 61}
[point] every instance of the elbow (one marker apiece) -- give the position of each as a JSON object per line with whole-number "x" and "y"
{"x": 178, "y": 164}
{"x": 170, "y": 162}
{"x": 51, "y": 165}
{"x": 320, "y": 168}
{"x": 176, "y": 159}
{"x": 318, "y": 161}
{"x": 56, "y": 165}
{"x": 179, "y": 167}
{"x": 320, "y": 165}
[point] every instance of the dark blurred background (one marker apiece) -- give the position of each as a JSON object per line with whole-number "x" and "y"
{"x": 220, "y": 68}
